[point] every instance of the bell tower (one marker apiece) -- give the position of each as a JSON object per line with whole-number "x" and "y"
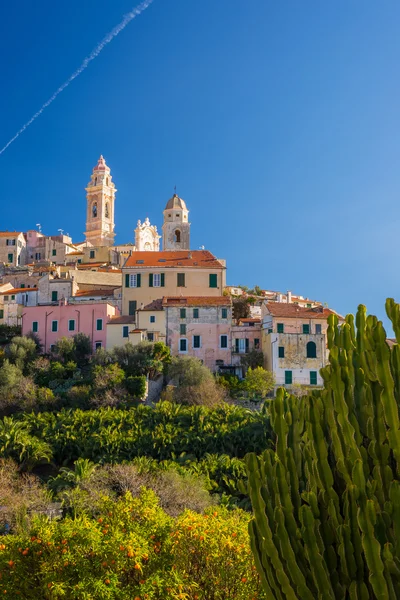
{"x": 100, "y": 195}
{"x": 176, "y": 227}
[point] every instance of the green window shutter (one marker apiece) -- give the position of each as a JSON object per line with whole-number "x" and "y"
{"x": 10, "y": 258}
{"x": 127, "y": 280}
{"x": 183, "y": 313}
{"x": 99, "y": 325}
{"x": 54, "y": 296}
{"x": 132, "y": 307}
{"x": 35, "y": 326}
{"x": 54, "y": 326}
{"x": 196, "y": 341}
{"x": 22, "y": 285}
{"x": 125, "y": 331}
{"x": 1, "y": 314}
{"x": 162, "y": 279}
{"x": 224, "y": 341}
{"x": 138, "y": 280}
{"x": 306, "y": 329}
{"x": 181, "y": 280}
{"x": 195, "y": 313}
{"x": 281, "y": 352}
{"x": 247, "y": 344}
{"x": 237, "y": 346}
{"x": 182, "y": 329}
{"x": 54, "y": 253}
{"x": 213, "y": 280}
{"x": 224, "y": 313}
{"x": 313, "y": 377}
{"x": 150, "y": 279}
{"x": 288, "y": 377}
{"x": 280, "y": 327}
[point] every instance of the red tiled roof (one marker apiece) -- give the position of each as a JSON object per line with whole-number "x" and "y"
{"x": 196, "y": 301}
{"x": 104, "y": 292}
{"x": 122, "y": 320}
{"x": 137, "y": 330}
{"x": 17, "y": 290}
{"x": 154, "y": 305}
{"x": 250, "y": 320}
{"x": 10, "y": 233}
{"x": 294, "y": 311}
{"x": 74, "y": 254}
{"x": 199, "y": 259}
{"x": 110, "y": 270}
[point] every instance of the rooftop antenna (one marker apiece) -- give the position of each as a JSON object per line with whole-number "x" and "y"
{"x": 202, "y": 247}
{"x": 61, "y": 231}
{"x": 175, "y": 189}
{"x": 38, "y": 225}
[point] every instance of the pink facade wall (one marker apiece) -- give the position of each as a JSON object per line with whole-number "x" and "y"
{"x": 84, "y": 315}
{"x": 210, "y": 350}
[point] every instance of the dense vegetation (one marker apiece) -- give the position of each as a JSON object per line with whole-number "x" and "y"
{"x": 327, "y": 499}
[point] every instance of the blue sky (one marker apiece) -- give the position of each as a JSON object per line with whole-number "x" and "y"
{"x": 278, "y": 122}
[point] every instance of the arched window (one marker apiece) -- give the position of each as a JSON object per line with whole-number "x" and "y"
{"x": 177, "y": 236}
{"x": 94, "y": 209}
{"x": 311, "y": 350}
{"x": 106, "y": 180}
{"x": 95, "y": 181}
{"x": 107, "y": 211}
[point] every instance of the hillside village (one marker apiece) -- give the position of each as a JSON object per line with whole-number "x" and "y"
{"x": 155, "y": 289}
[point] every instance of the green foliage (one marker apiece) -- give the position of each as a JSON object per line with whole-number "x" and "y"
{"x": 253, "y": 359}
{"x": 136, "y": 386}
{"x": 16, "y": 442}
{"x": 188, "y": 371}
{"x": 8, "y": 332}
{"x": 83, "y": 349}
{"x": 65, "y": 349}
{"x": 21, "y": 352}
{"x": 240, "y": 308}
{"x": 132, "y": 550}
{"x": 258, "y": 382}
{"x": 326, "y": 501}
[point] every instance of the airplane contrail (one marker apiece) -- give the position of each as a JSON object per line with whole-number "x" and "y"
{"x": 108, "y": 38}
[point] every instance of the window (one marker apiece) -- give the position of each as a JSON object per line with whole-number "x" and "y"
{"x": 54, "y": 296}
{"x": 92, "y": 254}
{"x": 107, "y": 210}
{"x": 5, "y": 298}
{"x": 54, "y": 252}
{"x": 183, "y": 313}
{"x": 288, "y": 377}
{"x": 71, "y": 325}
{"x": 309, "y": 305}
{"x": 223, "y": 341}
{"x": 79, "y": 261}
{"x": 182, "y": 345}
{"x": 313, "y": 377}
{"x": 213, "y": 280}
{"x": 35, "y": 326}
{"x": 311, "y": 350}
{"x": 97, "y": 345}
{"x": 195, "y": 313}
{"x": 256, "y": 344}
{"x": 269, "y": 330}
{"x": 177, "y": 235}
{"x": 99, "y": 325}
{"x": 318, "y": 328}
{"x": 196, "y": 341}
{"x": 52, "y": 347}
{"x": 1, "y": 314}
{"x": 54, "y": 326}
{"x": 152, "y": 319}
{"x": 11, "y": 242}
{"x": 38, "y": 256}
{"x": 133, "y": 280}
{"x": 132, "y": 307}
{"x": 13, "y": 297}
{"x": 182, "y": 329}
{"x": 306, "y": 329}
{"x": 180, "y": 280}
{"x": 10, "y": 258}
{"x": 281, "y": 352}
{"x": 280, "y": 328}
{"x": 125, "y": 331}
{"x": 224, "y": 313}
{"x": 241, "y": 345}
{"x": 23, "y": 285}
{"x": 157, "y": 280}
{"x": 94, "y": 208}
{"x": 150, "y": 337}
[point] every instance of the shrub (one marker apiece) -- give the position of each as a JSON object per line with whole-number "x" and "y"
{"x": 188, "y": 371}
{"x": 136, "y": 386}
{"x": 22, "y": 351}
{"x": 253, "y": 359}
{"x": 206, "y": 393}
{"x": 258, "y": 382}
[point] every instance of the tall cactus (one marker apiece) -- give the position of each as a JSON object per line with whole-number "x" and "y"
{"x": 326, "y": 500}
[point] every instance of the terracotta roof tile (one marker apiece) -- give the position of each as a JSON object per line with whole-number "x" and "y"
{"x": 91, "y": 265}
{"x": 199, "y": 259}
{"x": 250, "y": 320}
{"x": 17, "y": 290}
{"x": 10, "y": 233}
{"x": 122, "y": 320}
{"x": 154, "y": 305}
{"x": 196, "y": 301}
{"x": 89, "y": 293}
{"x": 282, "y": 309}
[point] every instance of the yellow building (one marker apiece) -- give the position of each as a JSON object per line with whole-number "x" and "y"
{"x": 148, "y": 276}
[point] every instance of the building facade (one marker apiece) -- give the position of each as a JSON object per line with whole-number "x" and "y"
{"x": 100, "y": 206}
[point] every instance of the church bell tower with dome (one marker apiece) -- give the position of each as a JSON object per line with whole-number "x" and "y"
{"x": 100, "y": 206}
{"x": 176, "y": 227}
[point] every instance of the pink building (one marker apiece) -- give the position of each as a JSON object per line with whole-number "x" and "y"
{"x": 52, "y": 322}
{"x": 200, "y": 327}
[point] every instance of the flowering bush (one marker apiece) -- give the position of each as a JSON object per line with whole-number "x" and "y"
{"x": 131, "y": 550}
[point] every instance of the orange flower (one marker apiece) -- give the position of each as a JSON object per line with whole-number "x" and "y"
{"x": 104, "y": 564}
{"x": 122, "y": 548}
{"x": 244, "y": 579}
{"x": 49, "y": 585}
{"x": 138, "y": 567}
{"x": 33, "y": 538}
{"x": 100, "y": 520}
{"x": 107, "y": 582}
{"x": 25, "y": 552}
{"x": 11, "y": 563}
{"x": 2, "y": 547}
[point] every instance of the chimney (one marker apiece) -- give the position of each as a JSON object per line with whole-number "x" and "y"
{"x": 190, "y": 255}
{"x": 289, "y": 297}
{"x": 280, "y": 297}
